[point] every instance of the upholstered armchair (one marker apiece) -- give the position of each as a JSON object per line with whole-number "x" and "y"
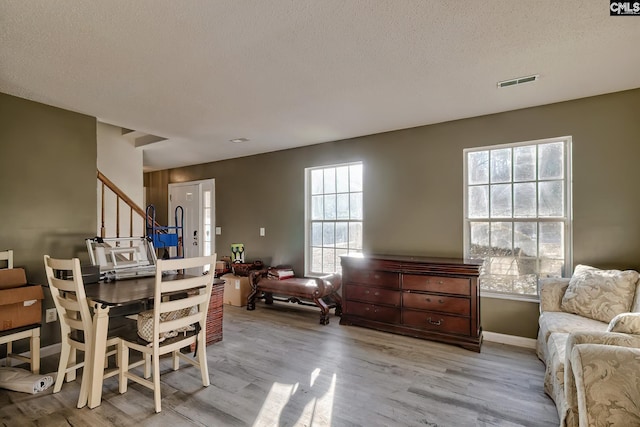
{"x": 602, "y": 375}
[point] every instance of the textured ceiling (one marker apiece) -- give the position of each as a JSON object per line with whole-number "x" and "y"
{"x": 287, "y": 73}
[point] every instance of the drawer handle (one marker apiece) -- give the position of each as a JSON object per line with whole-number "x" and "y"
{"x": 376, "y": 293}
{"x": 366, "y": 292}
{"x": 438, "y": 323}
{"x": 440, "y": 301}
{"x": 439, "y": 282}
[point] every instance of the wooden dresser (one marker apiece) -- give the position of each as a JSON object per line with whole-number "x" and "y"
{"x": 430, "y": 298}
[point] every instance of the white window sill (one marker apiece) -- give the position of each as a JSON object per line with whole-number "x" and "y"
{"x": 511, "y": 297}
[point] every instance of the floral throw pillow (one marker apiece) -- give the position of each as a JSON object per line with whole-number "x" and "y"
{"x": 599, "y": 294}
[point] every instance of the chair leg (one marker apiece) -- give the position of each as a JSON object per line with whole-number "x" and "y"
{"x": 202, "y": 360}
{"x": 35, "y": 351}
{"x": 176, "y": 360}
{"x": 147, "y": 365}
{"x": 156, "y": 381}
{"x": 119, "y": 354}
{"x": 123, "y": 358}
{"x": 9, "y": 351}
{"x": 113, "y": 349}
{"x": 71, "y": 375}
{"x": 87, "y": 373}
{"x": 62, "y": 366}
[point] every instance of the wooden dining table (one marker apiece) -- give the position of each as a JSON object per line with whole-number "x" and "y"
{"x": 104, "y": 296}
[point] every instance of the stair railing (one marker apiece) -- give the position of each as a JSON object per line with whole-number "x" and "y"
{"x": 140, "y": 214}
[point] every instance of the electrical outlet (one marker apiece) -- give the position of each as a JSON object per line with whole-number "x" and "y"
{"x": 52, "y": 315}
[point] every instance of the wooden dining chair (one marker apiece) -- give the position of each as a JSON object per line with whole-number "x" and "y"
{"x": 76, "y": 326}
{"x": 174, "y": 293}
{"x": 32, "y": 332}
{"x": 8, "y": 257}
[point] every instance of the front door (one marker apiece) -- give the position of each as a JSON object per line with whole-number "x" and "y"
{"x": 197, "y": 201}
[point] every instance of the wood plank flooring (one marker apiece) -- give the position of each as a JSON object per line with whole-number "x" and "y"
{"x": 276, "y": 366}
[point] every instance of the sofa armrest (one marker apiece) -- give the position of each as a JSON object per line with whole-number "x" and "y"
{"x": 607, "y": 384}
{"x": 605, "y": 338}
{"x": 551, "y": 292}
{"x": 580, "y": 339}
{"x": 627, "y": 323}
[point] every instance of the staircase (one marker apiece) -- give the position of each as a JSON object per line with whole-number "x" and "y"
{"x": 127, "y": 214}
{"x": 135, "y": 218}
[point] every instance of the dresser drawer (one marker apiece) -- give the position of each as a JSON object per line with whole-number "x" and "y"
{"x": 375, "y": 278}
{"x": 430, "y": 302}
{"x": 445, "y": 285}
{"x": 436, "y": 322}
{"x": 374, "y": 295}
{"x": 374, "y": 312}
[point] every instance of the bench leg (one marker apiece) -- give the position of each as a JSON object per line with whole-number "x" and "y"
{"x": 338, "y": 301}
{"x": 324, "y": 308}
{"x": 268, "y": 298}
{"x": 251, "y": 300}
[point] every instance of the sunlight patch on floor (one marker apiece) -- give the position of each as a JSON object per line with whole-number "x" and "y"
{"x": 286, "y": 399}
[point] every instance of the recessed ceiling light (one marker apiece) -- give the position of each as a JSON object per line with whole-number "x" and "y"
{"x": 238, "y": 140}
{"x": 518, "y": 81}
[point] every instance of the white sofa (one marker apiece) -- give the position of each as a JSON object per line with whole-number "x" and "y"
{"x": 589, "y": 341}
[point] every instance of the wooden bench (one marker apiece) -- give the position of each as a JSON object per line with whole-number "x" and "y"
{"x": 323, "y": 291}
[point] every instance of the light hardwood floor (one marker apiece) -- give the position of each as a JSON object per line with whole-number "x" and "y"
{"x": 276, "y": 366}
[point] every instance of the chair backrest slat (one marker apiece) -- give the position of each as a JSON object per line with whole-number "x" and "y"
{"x": 64, "y": 285}
{"x": 178, "y": 304}
{"x": 74, "y": 324}
{"x": 183, "y": 284}
{"x": 182, "y": 322}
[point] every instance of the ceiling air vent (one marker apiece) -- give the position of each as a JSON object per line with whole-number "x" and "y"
{"x": 518, "y": 81}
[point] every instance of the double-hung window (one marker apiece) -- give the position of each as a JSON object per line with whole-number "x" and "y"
{"x": 333, "y": 212}
{"x": 518, "y": 213}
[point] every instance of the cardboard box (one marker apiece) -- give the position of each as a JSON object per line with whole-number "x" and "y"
{"x": 236, "y": 290}
{"x": 20, "y": 306}
{"x": 12, "y": 278}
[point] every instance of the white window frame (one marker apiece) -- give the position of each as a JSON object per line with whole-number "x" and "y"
{"x": 308, "y": 251}
{"x": 566, "y": 218}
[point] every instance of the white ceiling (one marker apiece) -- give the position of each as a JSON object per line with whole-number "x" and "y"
{"x": 288, "y": 73}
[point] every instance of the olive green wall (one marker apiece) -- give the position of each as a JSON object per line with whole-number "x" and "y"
{"x": 47, "y": 187}
{"x": 413, "y": 182}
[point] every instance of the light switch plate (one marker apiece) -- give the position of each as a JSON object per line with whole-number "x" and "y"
{"x": 218, "y": 231}
{"x": 262, "y": 231}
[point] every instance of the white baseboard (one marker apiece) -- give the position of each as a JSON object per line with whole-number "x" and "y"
{"x": 49, "y": 350}
{"x": 488, "y": 336}
{"x": 509, "y": 339}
